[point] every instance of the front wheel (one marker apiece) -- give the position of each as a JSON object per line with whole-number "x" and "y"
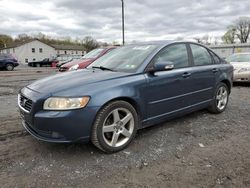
{"x": 220, "y": 100}
{"x": 115, "y": 126}
{"x": 9, "y": 67}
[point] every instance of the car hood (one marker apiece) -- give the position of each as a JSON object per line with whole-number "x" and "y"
{"x": 75, "y": 62}
{"x": 75, "y": 79}
{"x": 238, "y": 65}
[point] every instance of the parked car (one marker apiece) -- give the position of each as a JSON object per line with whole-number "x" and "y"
{"x": 8, "y": 62}
{"x": 45, "y": 62}
{"x": 130, "y": 88}
{"x": 241, "y": 64}
{"x": 86, "y": 60}
{"x": 66, "y": 59}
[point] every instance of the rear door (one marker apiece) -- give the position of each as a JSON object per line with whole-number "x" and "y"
{"x": 203, "y": 75}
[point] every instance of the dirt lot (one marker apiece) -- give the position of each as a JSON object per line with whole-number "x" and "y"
{"x": 198, "y": 150}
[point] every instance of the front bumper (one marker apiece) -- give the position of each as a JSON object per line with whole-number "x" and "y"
{"x": 57, "y": 126}
{"x": 241, "y": 77}
{"x": 60, "y": 127}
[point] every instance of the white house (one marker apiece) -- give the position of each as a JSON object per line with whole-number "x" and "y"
{"x": 36, "y": 50}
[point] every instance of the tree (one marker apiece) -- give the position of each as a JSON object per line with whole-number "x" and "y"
{"x": 89, "y": 43}
{"x": 206, "y": 39}
{"x": 23, "y": 37}
{"x": 5, "y": 41}
{"x": 229, "y": 36}
{"x": 198, "y": 40}
{"x": 242, "y": 26}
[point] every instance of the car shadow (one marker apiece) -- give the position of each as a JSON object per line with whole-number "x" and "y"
{"x": 241, "y": 84}
{"x": 89, "y": 148}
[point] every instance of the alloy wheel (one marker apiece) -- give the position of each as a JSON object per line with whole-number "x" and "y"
{"x": 118, "y": 127}
{"x": 221, "y": 98}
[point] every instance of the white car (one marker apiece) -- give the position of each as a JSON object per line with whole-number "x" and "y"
{"x": 241, "y": 64}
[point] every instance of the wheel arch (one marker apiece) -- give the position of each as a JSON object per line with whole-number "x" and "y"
{"x": 9, "y": 62}
{"x": 228, "y": 83}
{"x": 129, "y": 100}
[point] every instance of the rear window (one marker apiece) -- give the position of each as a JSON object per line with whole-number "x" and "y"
{"x": 5, "y": 56}
{"x": 201, "y": 55}
{"x": 239, "y": 58}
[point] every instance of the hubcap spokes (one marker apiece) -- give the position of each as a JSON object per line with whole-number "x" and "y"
{"x": 118, "y": 127}
{"x": 221, "y": 98}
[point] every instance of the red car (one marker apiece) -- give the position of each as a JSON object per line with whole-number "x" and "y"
{"x": 86, "y": 60}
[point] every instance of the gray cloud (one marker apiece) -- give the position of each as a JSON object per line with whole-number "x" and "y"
{"x": 145, "y": 19}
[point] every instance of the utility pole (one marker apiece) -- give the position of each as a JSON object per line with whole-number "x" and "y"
{"x": 123, "y": 37}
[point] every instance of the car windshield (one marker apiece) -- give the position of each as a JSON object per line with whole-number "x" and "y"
{"x": 93, "y": 54}
{"x": 239, "y": 58}
{"x": 125, "y": 59}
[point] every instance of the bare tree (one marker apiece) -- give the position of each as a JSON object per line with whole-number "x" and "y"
{"x": 242, "y": 26}
{"x": 205, "y": 39}
{"x": 198, "y": 40}
{"x": 89, "y": 43}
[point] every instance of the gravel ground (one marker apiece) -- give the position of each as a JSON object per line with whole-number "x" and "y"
{"x": 198, "y": 150}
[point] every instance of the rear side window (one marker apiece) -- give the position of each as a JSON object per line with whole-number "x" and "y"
{"x": 177, "y": 54}
{"x": 201, "y": 55}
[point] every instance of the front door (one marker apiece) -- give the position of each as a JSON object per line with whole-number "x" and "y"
{"x": 167, "y": 91}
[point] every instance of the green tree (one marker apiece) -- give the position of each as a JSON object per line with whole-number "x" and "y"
{"x": 229, "y": 36}
{"x": 5, "y": 40}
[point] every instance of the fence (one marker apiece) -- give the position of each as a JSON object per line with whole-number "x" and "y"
{"x": 227, "y": 49}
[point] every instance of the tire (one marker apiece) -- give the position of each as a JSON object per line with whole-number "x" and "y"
{"x": 37, "y": 65}
{"x": 220, "y": 99}
{"x": 115, "y": 126}
{"x": 9, "y": 67}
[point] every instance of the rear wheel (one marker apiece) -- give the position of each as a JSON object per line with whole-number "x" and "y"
{"x": 115, "y": 126}
{"x": 9, "y": 67}
{"x": 220, "y": 99}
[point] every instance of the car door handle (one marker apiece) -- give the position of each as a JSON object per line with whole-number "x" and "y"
{"x": 214, "y": 70}
{"x": 186, "y": 75}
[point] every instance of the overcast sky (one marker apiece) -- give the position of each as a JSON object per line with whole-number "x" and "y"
{"x": 101, "y": 19}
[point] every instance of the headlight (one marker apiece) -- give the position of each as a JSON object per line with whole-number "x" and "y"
{"x": 75, "y": 67}
{"x": 244, "y": 69}
{"x": 58, "y": 103}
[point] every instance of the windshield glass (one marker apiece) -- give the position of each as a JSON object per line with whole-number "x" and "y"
{"x": 125, "y": 59}
{"x": 239, "y": 58}
{"x": 93, "y": 54}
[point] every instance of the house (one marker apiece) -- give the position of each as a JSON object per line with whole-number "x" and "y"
{"x": 36, "y": 50}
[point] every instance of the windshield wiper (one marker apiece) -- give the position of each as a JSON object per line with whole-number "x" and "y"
{"x": 103, "y": 68}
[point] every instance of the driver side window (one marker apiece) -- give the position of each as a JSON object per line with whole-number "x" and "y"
{"x": 177, "y": 54}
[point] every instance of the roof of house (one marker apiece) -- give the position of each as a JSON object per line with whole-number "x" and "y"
{"x": 19, "y": 43}
{"x": 56, "y": 46}
{"x": 67, "y": 47}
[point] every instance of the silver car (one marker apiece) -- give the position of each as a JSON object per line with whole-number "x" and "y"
{"x": 241, "y": 64}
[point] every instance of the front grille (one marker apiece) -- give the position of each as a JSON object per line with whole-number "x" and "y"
{"x": 25, "y": 102}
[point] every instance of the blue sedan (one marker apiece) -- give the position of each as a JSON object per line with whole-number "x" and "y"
{"x": 130, "y": 88}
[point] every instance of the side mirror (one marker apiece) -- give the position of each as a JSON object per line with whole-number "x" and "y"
{"x": 162, "y": 66}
